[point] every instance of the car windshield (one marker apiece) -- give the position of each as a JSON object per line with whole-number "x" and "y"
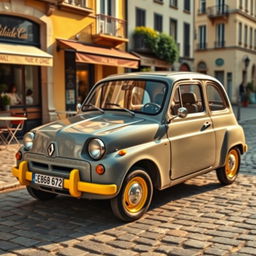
{"x": 132, "y": 96}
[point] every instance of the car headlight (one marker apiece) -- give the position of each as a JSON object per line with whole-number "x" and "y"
{"x": 96, "y": 149}
{"x": 28, "y": 140}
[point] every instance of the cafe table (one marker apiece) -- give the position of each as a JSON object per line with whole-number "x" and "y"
{"x": 13, "y": 124}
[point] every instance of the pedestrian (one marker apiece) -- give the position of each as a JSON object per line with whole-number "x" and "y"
{"x": 241, "y": 91}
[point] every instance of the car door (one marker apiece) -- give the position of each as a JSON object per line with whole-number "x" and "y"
{"x": 192, "y": 138}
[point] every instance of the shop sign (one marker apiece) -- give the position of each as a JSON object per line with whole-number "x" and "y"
{"x": 25, "y": 60}
{"x": 18, "y": 30}
{"x": 219, "y": 62}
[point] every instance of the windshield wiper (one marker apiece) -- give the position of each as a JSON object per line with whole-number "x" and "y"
{"x": 92, "y": 105}
{"x": 117, "y": 105}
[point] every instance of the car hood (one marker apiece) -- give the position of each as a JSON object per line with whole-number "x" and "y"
{"x": 117, "y": 131}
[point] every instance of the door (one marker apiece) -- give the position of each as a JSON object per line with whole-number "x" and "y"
{"x": 192, "y": 138}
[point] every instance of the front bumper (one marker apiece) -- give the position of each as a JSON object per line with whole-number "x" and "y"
{"x": 73, "y": 184}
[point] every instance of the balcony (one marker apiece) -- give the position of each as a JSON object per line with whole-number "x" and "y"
{"x": 218, "y": 12}
{"x": 81, "y": 7}
{"x": 219, "y": 44}
{"x": 110, "y": 31}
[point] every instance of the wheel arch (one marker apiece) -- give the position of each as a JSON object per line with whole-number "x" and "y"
{"x": 152, "y": 169}
{"x": 240, "y": 146}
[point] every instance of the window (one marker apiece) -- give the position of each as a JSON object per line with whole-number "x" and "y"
{"x": 142, "y": 96}
{"x": 158, "y": 22}
{"x": 202, "y": 37}
{"x": 188, "y": 96}
{"x": 241, "y": 4}
{"x": 187, "y": 5}
{"x": 245, "y": 35}
{"x": 250, "y": 37}
{"x": 186, "y": 38}
{"x": 173, "y": 28}
{"x": 240, "y": 33}
{"x": 220, "y": 35}
{"x": 159, "y": 1}
{"x": 202, "y": 6}
{"x": 216, "y": 99}
{"x": 246, "y": 5}
{"x": 174, "y": 3}
{"x": 140, "y": 17}
{"x": 107, "y": 7}
{"x": 254, "y": 39}
{"x": 252, "y": 7}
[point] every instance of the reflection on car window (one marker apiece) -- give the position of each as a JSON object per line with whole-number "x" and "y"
{"x": 216, "y": 100}
{"x": 142, "y": 96}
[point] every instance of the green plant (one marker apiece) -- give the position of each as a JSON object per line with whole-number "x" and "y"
{"x": 166, "y": 48}
{"x": 250, "y": 87}
{"x": 3, "y": 88}
{"x": 149, "y": 35}
{"x": 5, "y": 100}
{"x": 161, "y": 44}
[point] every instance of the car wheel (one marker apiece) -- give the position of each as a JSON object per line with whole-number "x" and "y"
{"x": 39, "y": 194}
{"x": 135, "y": 196}
{"x": 228, "y": 173}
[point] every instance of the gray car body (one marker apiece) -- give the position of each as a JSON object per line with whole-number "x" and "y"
{"x": 169, "y": 147}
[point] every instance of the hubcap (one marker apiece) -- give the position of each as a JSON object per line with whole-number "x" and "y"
{"x": 135, "y": 195}
{"x": 232, "y": 164}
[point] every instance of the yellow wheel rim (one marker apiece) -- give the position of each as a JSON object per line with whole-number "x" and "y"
{"x": 135, "y": 195}
{"x": 232, "y": 163}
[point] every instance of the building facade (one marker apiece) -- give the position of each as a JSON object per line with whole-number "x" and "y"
{"x": 53, "y": 51}
{"x": 175, "y": 18}
{"x": 225, "y": 42}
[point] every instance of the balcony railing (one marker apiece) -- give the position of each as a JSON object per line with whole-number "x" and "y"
{"x": 202, "y": 46}
{"x": 218, "y": 11}
{"x": 110, "y": 26}
{"x": 219, "y": 44}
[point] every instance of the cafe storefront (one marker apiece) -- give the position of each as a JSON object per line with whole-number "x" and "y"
{"x": 21, "y": 67}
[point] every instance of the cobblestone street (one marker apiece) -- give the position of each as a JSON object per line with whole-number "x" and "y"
{"x": 199, "y": 217}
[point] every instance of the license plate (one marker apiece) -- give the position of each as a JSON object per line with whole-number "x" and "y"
{"x": 46, "y": 180}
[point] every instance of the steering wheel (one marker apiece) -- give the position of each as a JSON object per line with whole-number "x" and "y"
{"x": 151, "y": 108}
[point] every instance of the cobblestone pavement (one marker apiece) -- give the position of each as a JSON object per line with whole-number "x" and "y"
{"x": 199, "y": 217}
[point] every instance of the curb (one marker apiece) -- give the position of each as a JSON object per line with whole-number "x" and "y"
{"x": 14, "y": 185}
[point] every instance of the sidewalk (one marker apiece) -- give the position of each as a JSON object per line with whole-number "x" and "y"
{"x": 7, "y": 160}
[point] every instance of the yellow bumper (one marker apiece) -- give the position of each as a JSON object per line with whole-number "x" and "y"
{"x": 73, "y": 184}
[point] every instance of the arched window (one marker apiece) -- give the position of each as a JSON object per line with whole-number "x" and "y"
{"x": 202, "y": 67}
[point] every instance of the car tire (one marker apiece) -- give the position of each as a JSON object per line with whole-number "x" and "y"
{"x": 40, "y": 195}
{"x": 228, "y": 173}
{"x": 127, "y": 206}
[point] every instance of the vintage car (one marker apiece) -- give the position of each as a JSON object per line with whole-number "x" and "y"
{"x": 134, "y": 133}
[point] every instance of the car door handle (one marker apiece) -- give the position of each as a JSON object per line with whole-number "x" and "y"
{"x": 206, "y": 125}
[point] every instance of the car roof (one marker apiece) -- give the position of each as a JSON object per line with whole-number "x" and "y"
{"x": 173, "y": 75}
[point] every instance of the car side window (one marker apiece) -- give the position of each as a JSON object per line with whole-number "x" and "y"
{"x": 188, "y": 96}
{"x": 216, "y": 99}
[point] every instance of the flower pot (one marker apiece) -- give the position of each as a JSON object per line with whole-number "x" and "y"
{"x": 6, "y": 107}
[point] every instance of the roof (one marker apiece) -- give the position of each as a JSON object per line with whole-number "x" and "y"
{"x": 167, "y": 74}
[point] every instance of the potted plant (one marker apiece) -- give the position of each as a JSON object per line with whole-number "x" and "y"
{"x": 5, "y": 102}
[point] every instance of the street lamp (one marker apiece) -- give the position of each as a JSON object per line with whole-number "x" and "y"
{"x": 246, "y": 62}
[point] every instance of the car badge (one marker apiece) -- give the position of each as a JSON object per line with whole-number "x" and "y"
{"x": 51, "y": 149}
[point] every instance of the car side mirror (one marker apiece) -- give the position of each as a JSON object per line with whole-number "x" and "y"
{"x": 78, "y": 108}
{"x": 182, "y": 112}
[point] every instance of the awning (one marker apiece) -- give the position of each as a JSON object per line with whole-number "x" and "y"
{"x": 151, "y": 61}
{"x": 100, "y": 55}
{"x": 24, "y": 55}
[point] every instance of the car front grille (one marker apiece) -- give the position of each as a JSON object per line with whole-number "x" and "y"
{"x": 57, "y": 166}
